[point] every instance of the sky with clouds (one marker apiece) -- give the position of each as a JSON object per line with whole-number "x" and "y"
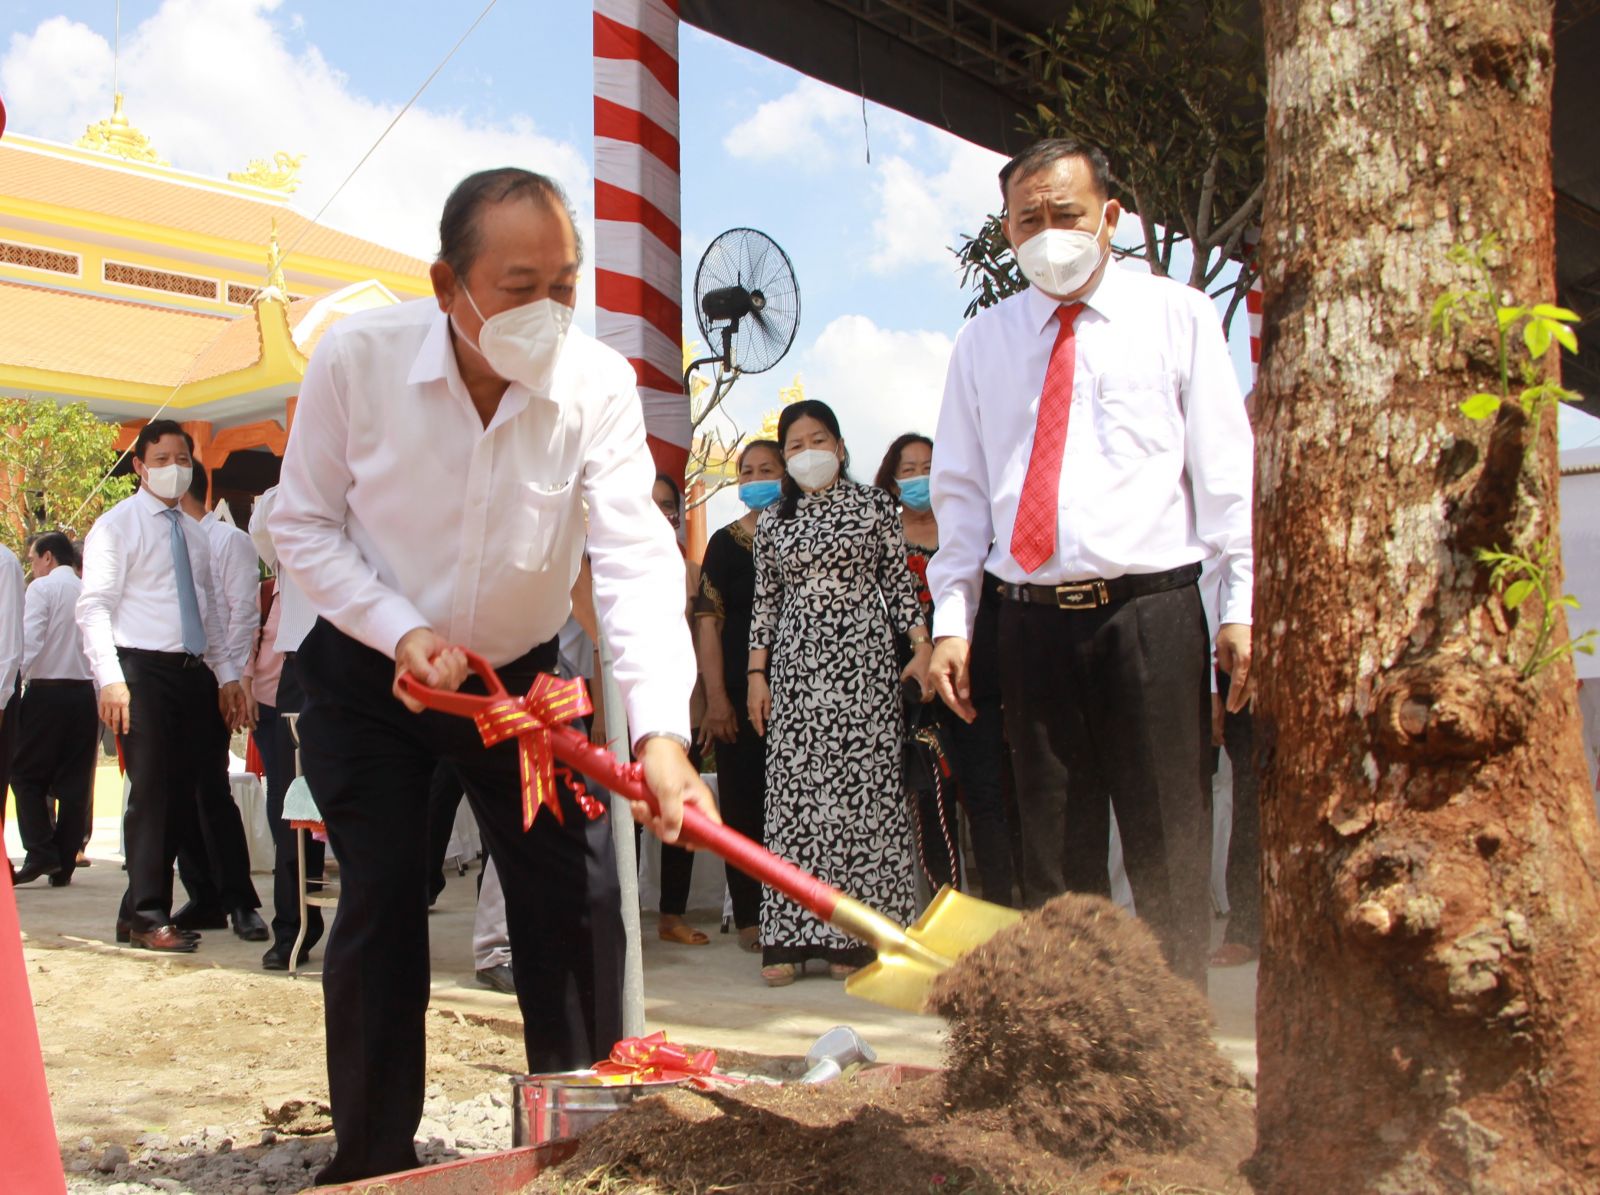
{"x": 867, "y": 203}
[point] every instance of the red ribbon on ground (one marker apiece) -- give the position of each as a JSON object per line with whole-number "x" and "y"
{"x": 528, "y": 719}
{"x": 654, "y": 1059}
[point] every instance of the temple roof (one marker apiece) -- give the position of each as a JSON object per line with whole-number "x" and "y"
{"x": 36, "y": 171}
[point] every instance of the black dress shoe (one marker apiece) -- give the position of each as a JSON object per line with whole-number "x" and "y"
{"x": 167, "y": 939}
{"x": 277, "y": 958}
{"x": 248, "y": 925}
{"x": 124, "y": 933}
{"x": 61, "y": 879}
{"x": 194, "y": 917}
{"x": 29, "y": 872}
{"x": 499, "y": 978}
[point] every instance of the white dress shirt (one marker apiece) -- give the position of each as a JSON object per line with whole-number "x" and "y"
{"x": 236, "y": 580}
{"x": 1157, "y": 466}
{"x": 130, "y": 589}
{"x": 398, "y": 509}
{"x": 295, "y": 615}
{"x": 11, "y": 602}
{"x": 52, "y": 646}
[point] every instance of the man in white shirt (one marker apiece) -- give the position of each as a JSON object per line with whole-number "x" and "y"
{"x": 58, "y": 730}
{"x": 154, "y": 635}
{"x": 215, "y": 868}
{"x": 432, "y": 498}
{"x": 1092, "y": 450}
{"x": 11, "y": 602}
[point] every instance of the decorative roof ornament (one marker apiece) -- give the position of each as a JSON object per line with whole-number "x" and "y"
{"x": 276, "y": 288}
{"x": 119, "y": 138}
{"x": 283, "y": 174}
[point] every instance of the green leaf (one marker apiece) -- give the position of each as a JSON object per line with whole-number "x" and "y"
{"x": 1508, "y": 316}
{"x": 1536, "y": 335}
{"x": 1585, "y": 645}
{"x": 1516, "y": 593}
{"x": 1567, "y": 338}
{"x": 1570, "y": 602}
{"x": 1481, "y": 406}
{"x": 1549, "y": 311}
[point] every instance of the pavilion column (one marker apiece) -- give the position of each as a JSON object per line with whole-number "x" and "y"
{"x": 637, "y": 199}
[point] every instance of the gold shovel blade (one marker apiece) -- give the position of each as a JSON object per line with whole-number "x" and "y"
{"x": 903, "y": 975}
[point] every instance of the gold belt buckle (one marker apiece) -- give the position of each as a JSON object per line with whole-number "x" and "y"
{"x": 1083, "y": 595}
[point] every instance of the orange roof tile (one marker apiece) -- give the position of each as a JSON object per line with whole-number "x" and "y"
{"x": 108, "y": 338}
{"x": 26, "y": 173}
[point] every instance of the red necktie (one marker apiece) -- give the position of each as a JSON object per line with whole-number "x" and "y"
{"x": 1033, "y": 536}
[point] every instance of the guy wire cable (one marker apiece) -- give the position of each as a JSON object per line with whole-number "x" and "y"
{"x": 293, "y": 245}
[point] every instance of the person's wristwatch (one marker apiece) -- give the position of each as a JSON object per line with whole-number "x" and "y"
{"x": 660, "y": 734}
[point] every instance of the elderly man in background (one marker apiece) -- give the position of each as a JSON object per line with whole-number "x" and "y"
{"x": 58, "y": 723}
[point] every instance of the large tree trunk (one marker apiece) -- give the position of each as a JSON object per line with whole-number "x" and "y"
{"x": 1429, "y": 1010}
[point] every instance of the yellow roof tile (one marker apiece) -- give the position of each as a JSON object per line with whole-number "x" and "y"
{"x": 108, "y": 338}
{"x": 28, "y": 173}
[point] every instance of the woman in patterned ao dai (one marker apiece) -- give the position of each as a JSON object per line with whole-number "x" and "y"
{"x": 832, "y": 586}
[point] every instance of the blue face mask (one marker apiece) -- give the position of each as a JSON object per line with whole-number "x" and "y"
{"x": 758, "y": 495}
{"x": 914, "y": 492}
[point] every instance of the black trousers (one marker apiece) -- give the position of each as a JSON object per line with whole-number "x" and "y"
{"x": 444, "y": 798}
{"x": 275, "y": 741}
{"x": 977, "y": 751}
{"x": 742, "y": 799}
{"x": 52, "y": 775}
{"x": 215, "y": 866}
{"x": 1244, "y": 843}
{"x": 169, "y": 695}
{"x": 1110, "y": 708}
{"x": 369, "y": 761}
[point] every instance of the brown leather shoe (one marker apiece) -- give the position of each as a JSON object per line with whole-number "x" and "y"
{"x": 167, "y": 938}
{"x": 125, "y": 930}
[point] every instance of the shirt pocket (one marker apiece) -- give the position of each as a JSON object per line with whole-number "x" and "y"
{"x": 1136, "y": 413}
{"x": 541, "y": 523}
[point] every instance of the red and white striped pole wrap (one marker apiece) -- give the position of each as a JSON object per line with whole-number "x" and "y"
{"x": 637, "y": 195}
{"x": 1252, "y": 303}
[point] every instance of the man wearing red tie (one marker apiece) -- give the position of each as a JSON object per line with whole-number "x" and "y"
{"x": 1092, "y": 450}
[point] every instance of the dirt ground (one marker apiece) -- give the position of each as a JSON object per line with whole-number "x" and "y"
{"x": 139, "y": 1044}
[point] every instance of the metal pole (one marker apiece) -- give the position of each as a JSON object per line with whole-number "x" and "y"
{"x": 627, "y": 857}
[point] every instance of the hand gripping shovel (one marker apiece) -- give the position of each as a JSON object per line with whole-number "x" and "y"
{"x": 908, "y": 959}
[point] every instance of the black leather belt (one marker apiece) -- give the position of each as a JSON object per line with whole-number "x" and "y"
{"x": 55, "y": 682}
{"x": 172, "y": 659}
{"x": 1091, "y": 595}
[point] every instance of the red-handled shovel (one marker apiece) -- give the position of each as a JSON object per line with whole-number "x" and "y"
{"x": 908, "y": 959}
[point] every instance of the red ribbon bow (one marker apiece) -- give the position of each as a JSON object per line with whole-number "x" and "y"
{"x": 654, "y": 1059}
{"x": 528, "y": 720}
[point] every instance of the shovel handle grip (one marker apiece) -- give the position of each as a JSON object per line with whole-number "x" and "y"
{"x": 573, "y": 749}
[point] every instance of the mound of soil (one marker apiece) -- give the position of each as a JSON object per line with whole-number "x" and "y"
{"x": 1071, "y": 1022}
{"x": 1077, "y": 1062}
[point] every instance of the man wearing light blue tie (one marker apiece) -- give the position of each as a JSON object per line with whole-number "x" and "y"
{"x": 152, "y": 627}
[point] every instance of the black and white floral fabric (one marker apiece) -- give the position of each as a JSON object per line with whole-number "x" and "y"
{"x": 829, "y": 584}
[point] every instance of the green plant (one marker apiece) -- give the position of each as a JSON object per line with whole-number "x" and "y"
{"x": 1517, "y": 578}
{"x": 53, "y": 459}
{"x": 1541, "y": 325}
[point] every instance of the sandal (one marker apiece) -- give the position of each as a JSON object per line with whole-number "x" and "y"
{"x": 750, "y": 939}
{"x": 841, "y": 970}
{"x": 780, "y": 975}
{"x": 680, "y": 931}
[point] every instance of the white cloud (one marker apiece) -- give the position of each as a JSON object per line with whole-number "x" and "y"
{"x": 804, "y": 127}
{"x": 921, "y": 213}
{"x": 215, "y": 83}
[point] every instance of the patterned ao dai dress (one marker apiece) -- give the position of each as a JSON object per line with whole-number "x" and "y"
{"x": 832, "y": 585}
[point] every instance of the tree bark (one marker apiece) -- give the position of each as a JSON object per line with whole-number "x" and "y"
{"x": 1429, "y": 999}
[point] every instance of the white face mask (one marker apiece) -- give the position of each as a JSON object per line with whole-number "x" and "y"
{"x": 522, "y": 343}
{"x": 168, "y": 481}
{"x": 1059, "y": 260}
{"x": 814, "y": 468}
